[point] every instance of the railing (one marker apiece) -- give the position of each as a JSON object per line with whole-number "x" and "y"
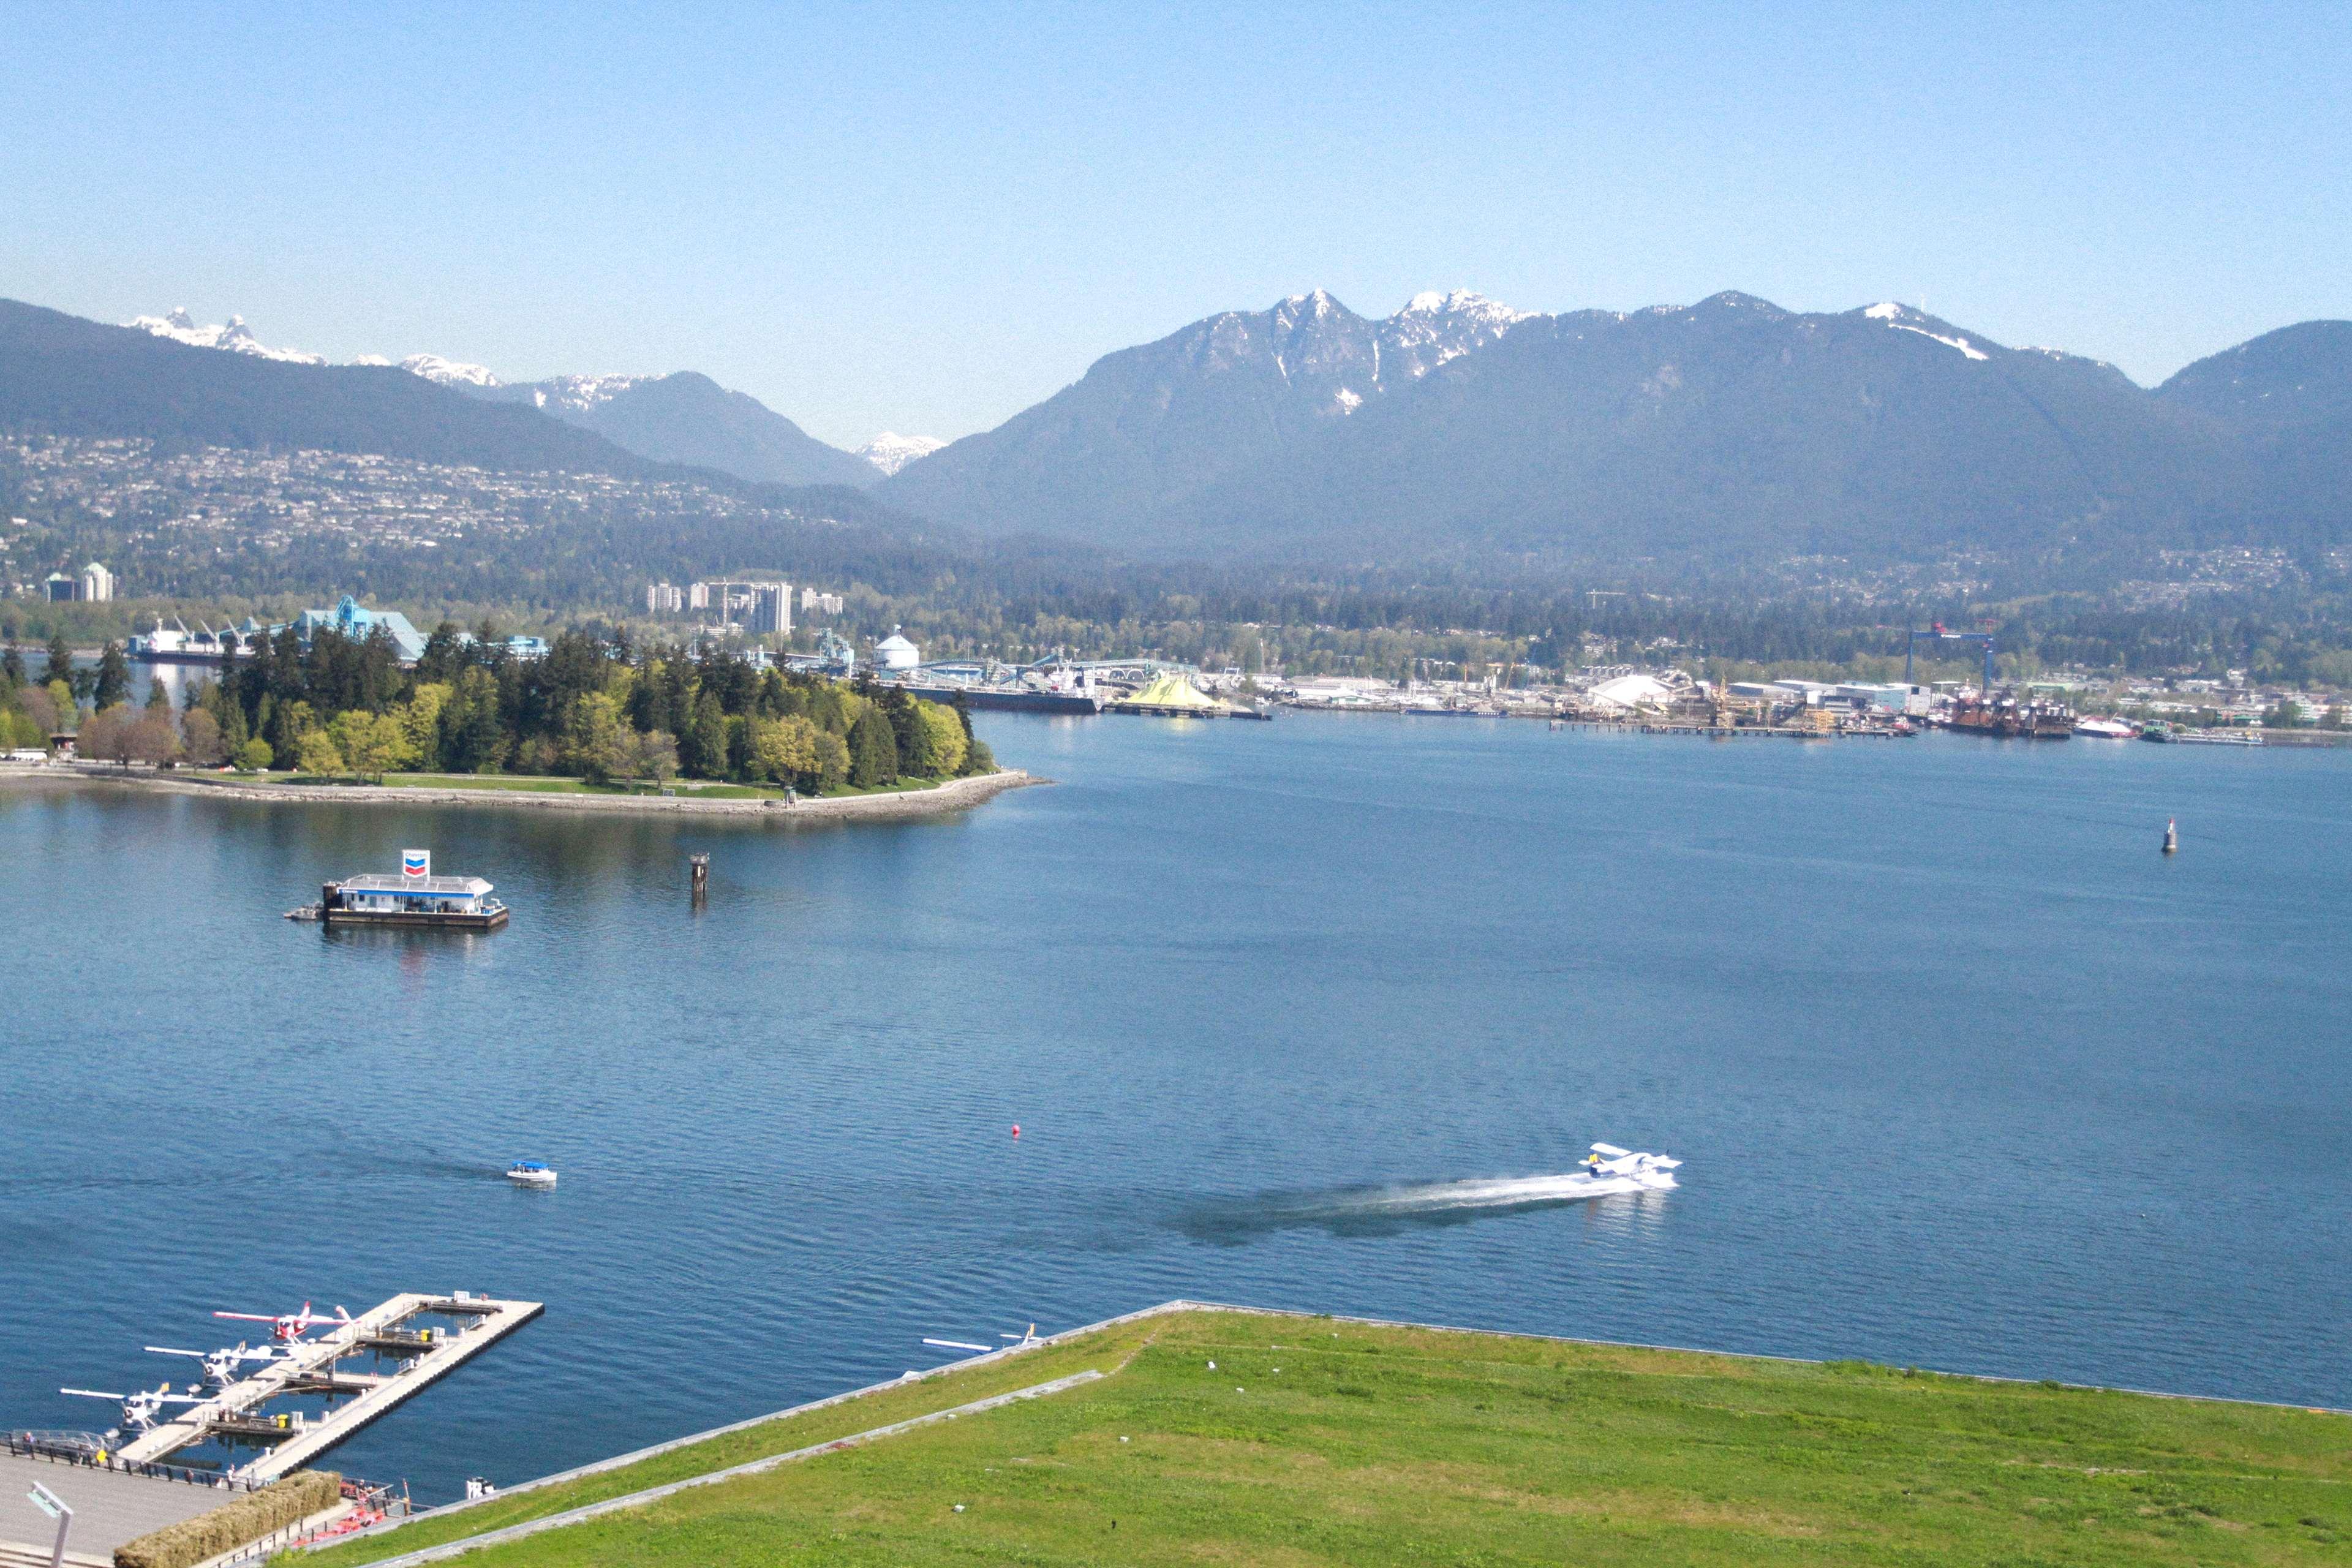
{"x": 33, "y": 1446}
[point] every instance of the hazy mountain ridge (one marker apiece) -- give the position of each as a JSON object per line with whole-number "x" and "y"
{"x": 1732, "y": 429}
{"x": 683, "y": 418}
{"x": 687, "y": 417}
{"x": 61, "y": 374}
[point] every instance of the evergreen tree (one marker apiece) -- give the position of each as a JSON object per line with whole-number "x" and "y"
{"x": 113, "y": 678}
{"x": 60, "y": 660}
{"x": 702, "y": 744}
{"x": 158, "y": 700}
{"x": 12, "y": 666}
{"x": 873, "y": 751}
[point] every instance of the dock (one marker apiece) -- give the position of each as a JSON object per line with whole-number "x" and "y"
{"x": 236, "y": 1413}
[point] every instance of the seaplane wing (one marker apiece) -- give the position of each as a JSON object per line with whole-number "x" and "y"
{"x": 957, "y": 1345}
{"x": 1612, "y": 1151}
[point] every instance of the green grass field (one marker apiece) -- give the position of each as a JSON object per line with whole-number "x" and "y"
{"x": 1316, "y": 1442}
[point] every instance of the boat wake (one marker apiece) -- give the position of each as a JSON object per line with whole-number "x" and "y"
{"x": 1385, "y": 1210}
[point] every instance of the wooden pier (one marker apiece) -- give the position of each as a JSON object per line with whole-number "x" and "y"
{"x": 236, "y": 1413}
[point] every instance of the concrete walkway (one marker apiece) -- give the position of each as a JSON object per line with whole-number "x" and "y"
{"x": 110, "y": 1507}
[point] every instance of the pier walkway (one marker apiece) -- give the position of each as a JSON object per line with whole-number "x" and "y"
{"x": 236, "y": 1412}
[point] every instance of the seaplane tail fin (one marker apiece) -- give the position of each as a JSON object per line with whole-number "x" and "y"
{"x": 1611, "y": 1150}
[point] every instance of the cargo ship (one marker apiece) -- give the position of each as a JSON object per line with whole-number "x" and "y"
{"x": 413, "y": 898}
{"x": 175, "y": 643}
{"x": 2004, "y": 713}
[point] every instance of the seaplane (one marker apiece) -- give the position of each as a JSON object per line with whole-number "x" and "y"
{"x": 141, "y": 1409}
{"x": 221, "y": 1365}
{"x": 289, "y": 1328}
{"x": 1614, "y": 1170}
{"x": 1021, "y": 1340}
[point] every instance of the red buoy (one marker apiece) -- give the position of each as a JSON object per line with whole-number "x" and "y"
{"x": 1017, "y": 1130}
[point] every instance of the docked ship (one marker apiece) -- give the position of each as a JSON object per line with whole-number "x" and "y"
{"x": 175, "y": 643}
{"x": 2005, "y": 713}
{"x": 413, "y": 898}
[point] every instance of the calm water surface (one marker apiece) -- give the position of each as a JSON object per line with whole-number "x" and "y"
{"x": 1966, "y": 1075}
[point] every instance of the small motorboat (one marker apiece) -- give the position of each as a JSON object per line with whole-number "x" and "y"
{"x": 530, "y": 1174}
{"x": 2104, "y": 730}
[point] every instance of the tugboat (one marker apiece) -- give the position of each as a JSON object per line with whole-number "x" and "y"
{"x": 414, "y": 897}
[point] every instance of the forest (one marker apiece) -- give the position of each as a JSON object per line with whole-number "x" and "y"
{"x": 606, "y": 711}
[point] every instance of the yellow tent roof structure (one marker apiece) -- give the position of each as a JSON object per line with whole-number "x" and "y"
{"x": 1172, "y": 690}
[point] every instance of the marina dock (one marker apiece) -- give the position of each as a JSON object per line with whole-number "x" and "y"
{"x": 236, "y": 1413}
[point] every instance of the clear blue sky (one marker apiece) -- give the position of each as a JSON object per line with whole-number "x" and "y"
{"x": 927, "y": 217}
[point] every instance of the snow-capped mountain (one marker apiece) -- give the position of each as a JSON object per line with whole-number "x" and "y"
{"x": 233, "y": 336}
{"x": 1433, "y": 327}
{"x": 447, "y": 372}
{"x": 1229, "y": 392}
{"x": 562, "y": 394}
{"x": 890, "y": 451}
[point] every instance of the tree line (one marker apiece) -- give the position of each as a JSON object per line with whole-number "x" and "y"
{"x": 603, "y": 710}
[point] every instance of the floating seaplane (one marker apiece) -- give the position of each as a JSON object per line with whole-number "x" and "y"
{"x": 142, "y": 1408}
{"x": 1614, "y": 1170}
{"x": 290, "y": 1328}
{"x": 221, "y": 1365}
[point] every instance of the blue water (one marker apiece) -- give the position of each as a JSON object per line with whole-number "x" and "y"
{"x": 1966, "y": 1075}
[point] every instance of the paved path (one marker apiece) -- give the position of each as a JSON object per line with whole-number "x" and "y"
{"x": 110, "y": 1507}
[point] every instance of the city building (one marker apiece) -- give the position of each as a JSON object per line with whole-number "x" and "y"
{"x": 759, "y": 607}
{"x": 664, "y": 598}
{"x": 61, "y": 588}
{"x": 97, "y": 583}
{"x": 811, "y": 600}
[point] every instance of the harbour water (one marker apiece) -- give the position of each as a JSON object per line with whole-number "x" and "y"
{"x": 1965, "y": 1073}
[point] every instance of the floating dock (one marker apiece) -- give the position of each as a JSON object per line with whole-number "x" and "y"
{"x": 235, "y": 1413}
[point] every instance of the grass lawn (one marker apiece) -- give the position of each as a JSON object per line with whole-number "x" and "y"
{"x": 1315, "y": 1442}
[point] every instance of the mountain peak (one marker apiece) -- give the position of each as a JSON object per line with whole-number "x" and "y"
{"x": 890, "y": 451}
{"x": 447, "y": 372}
{"x": 1460, "y": 303}
{"x": 232, "y": 336}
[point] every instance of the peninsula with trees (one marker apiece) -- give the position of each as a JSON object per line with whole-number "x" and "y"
{"x": 594, "y": 716}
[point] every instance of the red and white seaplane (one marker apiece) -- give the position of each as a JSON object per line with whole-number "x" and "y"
{"x": 290, "y": 1328}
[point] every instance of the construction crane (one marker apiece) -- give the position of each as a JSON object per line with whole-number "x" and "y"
{"x": 1938, "y": 634}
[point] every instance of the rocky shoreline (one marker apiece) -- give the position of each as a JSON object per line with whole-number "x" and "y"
{"x": 956, "y": 795}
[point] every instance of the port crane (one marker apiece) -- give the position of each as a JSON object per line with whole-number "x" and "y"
{"x": 1940, "y": 634}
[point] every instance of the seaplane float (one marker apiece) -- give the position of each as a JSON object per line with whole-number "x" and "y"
{"x": 1610, "y": 1169}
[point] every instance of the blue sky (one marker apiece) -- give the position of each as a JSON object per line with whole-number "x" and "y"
{"x": 927, "y": 217}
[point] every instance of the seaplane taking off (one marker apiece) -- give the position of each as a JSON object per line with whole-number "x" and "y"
{"x": 1614, "y": 1170}
{"x": 141, "y": 1409}
{"x": 292, "y": 1327}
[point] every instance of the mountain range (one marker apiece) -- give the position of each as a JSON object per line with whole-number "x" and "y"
{"x": 1729, "y": 433}
{"x": 685, "y": 418}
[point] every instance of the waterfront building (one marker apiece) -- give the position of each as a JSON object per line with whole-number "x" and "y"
{"x": 895, "y": 652}
{"x": 61, "y": 588}
{"x": 353, "y": 620}
{"x": 97, "y": 583}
